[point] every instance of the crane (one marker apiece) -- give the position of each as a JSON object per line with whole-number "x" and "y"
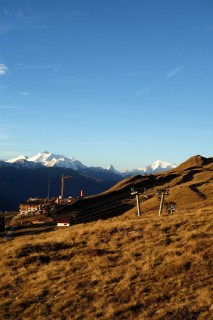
{"x": 62, "y": 184}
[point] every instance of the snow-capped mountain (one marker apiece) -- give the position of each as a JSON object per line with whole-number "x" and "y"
{"x": 48, "y": 159}
{"x": 19, "y": 158}
{"x": 157, "y": 166}
{"x": 112, "y": 169}
{"x": 24, "y": 162}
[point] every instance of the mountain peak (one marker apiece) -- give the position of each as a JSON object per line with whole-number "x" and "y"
{"x": 112, "y": 169}
{"x": 49, "y": 159}
{"x": 194, "y": 161}
{"x": 17, "y": 159}
{"x": 162, "y": 164}
{"x": 157, "y": 166}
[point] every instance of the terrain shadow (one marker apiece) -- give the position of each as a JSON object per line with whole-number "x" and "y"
{"x": 101, "y": 213}
{"x": 195, "y": 189}
{"x": 14, "y": 232}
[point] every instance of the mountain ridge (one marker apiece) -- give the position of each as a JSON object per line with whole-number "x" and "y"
{"x": 19, "y": 181}
{"x": 49, "y": 159}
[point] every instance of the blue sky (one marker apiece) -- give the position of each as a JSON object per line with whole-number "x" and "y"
{"x": 122, "y": 82}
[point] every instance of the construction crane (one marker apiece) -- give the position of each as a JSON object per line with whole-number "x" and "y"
{"x": 62, "y": 184}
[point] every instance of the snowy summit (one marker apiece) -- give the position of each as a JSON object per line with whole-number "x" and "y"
{"x": 49, "y": 159}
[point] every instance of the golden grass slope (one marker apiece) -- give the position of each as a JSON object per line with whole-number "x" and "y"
{"x": 124, "y": 267}
{"x": 191, "y": 187}
{"x": 129, "y": 267}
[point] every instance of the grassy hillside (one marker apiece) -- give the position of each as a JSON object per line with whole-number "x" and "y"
{"x": 124, "y": 267}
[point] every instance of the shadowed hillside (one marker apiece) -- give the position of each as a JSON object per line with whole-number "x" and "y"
{"x": 19, "y": 184}
{"x": 124, "y": 266}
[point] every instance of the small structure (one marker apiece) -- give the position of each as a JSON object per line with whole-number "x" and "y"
{"x": 60, "y": 201}
{"x": 63, "y": 222}
{"x": 81, "y": 196}
{"x": 25, "y": 208}
{"x": 171, "y": 208}
{"x": 32, "y": 205}
{"x": 69, "y": 199}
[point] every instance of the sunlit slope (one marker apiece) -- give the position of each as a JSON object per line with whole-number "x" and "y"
{"x": 126, "y": 267}
{"x": 123, "y": 266}
{"x": 190, "y": 186}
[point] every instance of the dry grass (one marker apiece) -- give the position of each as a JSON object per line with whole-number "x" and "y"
{"x": 128, "y": 267}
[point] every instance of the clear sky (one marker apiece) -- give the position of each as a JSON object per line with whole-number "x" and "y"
{"x": 122, "y": 82}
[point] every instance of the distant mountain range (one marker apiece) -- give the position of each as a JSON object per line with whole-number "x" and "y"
{"x": 47, "y": 159}
{"x": 25, "y": 177}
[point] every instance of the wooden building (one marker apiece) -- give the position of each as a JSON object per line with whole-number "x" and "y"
{"x": 29, "y": 206}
